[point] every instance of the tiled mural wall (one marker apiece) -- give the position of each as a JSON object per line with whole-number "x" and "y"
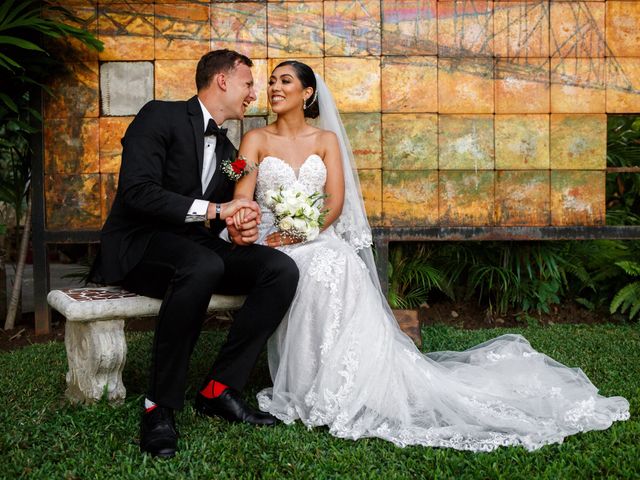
{"x": 460, "y": 112}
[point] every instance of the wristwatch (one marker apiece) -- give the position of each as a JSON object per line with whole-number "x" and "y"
{"x": 218, "y": 208}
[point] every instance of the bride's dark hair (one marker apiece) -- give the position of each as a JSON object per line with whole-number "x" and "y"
{"x": 308, "y": 79}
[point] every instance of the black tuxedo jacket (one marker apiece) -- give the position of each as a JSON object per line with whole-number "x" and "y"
{"x": 160, "y": 176}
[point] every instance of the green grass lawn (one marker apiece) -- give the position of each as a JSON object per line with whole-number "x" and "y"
{"x": 42, "y": 436}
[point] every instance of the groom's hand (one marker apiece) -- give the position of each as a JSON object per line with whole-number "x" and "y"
{"x": 229, "y": 209}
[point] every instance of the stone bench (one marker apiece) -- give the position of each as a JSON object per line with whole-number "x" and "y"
{"x": 95, "y": 340}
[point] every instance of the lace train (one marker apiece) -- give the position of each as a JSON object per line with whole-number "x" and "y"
{"x": 339, "y": 359}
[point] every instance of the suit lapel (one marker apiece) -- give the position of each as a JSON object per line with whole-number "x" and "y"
{"x": 197, "y": 124}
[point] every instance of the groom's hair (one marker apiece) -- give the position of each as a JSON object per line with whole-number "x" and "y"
{"x": 218, "y": 61}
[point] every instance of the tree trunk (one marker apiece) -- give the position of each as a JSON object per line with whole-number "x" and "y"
{"x": 17, "y": 284}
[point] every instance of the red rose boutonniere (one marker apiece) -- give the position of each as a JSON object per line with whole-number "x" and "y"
{"x": 237, "y": 169}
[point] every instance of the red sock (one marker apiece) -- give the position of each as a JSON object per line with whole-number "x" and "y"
{"x": 152, "y": 407}
{"x": 213, "y": 389}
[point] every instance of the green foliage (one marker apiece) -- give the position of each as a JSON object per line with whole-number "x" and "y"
{"x": 623, "y": 189}
{"x": 628, "y": 297}
{"x": 43, "y": 437}
{"x": 523, "y": 275}
{"x": 412, "y": 276}
{"x": 25, "y": 65}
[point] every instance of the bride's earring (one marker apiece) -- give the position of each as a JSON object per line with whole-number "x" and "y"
{"x": 304, "y": 103}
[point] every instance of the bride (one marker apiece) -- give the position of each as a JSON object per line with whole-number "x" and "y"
{"x": 339, "y": 358}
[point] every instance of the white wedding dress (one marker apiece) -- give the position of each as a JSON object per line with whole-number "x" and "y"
{"x": 339, "y": 359}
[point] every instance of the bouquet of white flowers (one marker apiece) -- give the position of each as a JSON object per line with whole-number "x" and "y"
{"x": 298, "y": 215}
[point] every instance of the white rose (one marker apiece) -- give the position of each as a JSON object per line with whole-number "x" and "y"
{"x": 300, "y": 225}
{"x": 307, "y": 210}
{"x": 280, "y": 209}
{"x": 286, "y": 224}
{"x": 312, "y": 233}
{"x": 289, "y": 195}
{"x": 293, "y": 204}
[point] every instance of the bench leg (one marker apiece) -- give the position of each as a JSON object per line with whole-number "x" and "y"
{"x": 96, "y": 353}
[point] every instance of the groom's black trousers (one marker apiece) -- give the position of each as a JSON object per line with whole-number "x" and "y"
{"x": 184, "y": 271}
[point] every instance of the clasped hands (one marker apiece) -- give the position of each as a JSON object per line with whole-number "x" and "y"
{"x": 242, "y": 217}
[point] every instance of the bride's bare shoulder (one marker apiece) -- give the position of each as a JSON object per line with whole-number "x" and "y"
{"x": 326, "y": 139}
{"x": 324, "y": 135}
{"x": 256, "y": 134}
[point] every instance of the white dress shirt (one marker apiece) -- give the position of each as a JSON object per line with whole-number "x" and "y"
{"x": 198, "y": 210}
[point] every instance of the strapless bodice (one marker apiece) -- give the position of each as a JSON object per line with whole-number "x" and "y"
{"x": 275, "y": 173}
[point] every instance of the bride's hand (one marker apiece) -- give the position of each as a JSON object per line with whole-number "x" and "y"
{"x": 276, "y": 239}
{"x": 244, "y": 215}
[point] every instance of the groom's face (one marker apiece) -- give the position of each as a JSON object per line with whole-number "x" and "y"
{"x": 240, "y": 91}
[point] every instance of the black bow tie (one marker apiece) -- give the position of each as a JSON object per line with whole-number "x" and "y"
{"x": 213, "y": 129}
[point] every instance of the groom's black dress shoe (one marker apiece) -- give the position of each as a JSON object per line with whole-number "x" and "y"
{"x": 158, "y": 434}
{"x": 230, "y": 406}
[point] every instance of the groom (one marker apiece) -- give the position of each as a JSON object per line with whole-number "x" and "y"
{"x": 161, "y": 240}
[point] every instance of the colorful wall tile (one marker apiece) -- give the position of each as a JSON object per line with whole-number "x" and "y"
{"x": 73, "y": 202}
{"x": 578, "y": 86}
{"x": 465, "y": 142}
{"x": 71, "y": 145}
{"x": 410, "y": 141}
{"x": 522, "y": 198}
{"x": 127, "y": 31}
{"x": 240, "y": 26}
{"x": 365, "y": 135}
{"x": 577, "y": 29}
{"x": 465, "y": 85}
{"x": 408, "y": 84}
{"x": 354, "y": 82}
{"x": 623, "y": 84}
{"x": 86, "y": 17}
{"x": 74, "y": 92}
{"x": 410, "y": 198}
{"x": 181, "y": 31}
{"x": 371, "y": 185}
{"x": 466, "y": 198}
{"x": 522, "y": 142}
{"x": 295, "y": 29}
{"x": 112, "y": 129}
{"x": 578, "y": 142}
{"x": 352, "y": 28}
{"x": 459, "y": 112}
{"x": 623, "y": 28}
{"x": 521, "y": 29}
{"x": 175, "y": 79}
{"x": 577, "y": 197}
{"x": 409, "y": 27}
{"x": 465, "y": 29}
{"x": 522, "y": 85}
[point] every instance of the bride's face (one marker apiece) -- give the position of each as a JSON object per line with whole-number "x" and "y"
{"x": 285, "y": 91}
